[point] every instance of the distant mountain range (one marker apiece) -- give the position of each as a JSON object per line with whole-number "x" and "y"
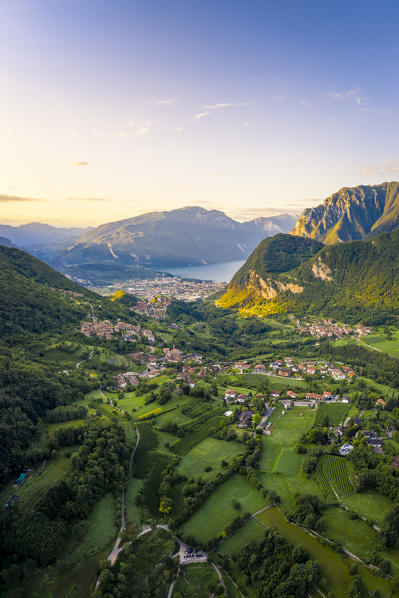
{"x": 185, "y": 237}
{"x": 352, "y": 213}
{"x": 349, "y": 281}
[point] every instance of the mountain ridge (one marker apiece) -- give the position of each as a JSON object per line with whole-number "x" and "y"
{"x": 352, "y": 213}
{"x": 183, "y": 237}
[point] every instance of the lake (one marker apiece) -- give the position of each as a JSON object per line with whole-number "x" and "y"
{"x": 222, "y": 272}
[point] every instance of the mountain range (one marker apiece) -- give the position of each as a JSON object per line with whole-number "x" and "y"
{"x": 184, "y": 237}
{"x": 352, "y": 213}
{"x": 350, "y": 281}
{"x": 130, "y": 248}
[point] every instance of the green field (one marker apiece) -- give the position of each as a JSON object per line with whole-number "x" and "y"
{"x": 101, "y": 531}
{"x": 332, "y": 474}
{"x": 331, "y": 414}
{"x": 379, "y": 341}
{"x": 280, "y": 465}
{"x": 371, "y": 505}
{"x": 196, "y": 580}
{"x": 251, "y": 530}
{"x": 209, "y": 452}
{"x": 217, "y": 511}
{"x": 335, "y": 568}
{"x": 132, "y": 510}
{"x": 353, "y": 534}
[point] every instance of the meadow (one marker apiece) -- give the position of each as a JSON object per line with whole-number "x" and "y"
{"x": 252, "y": 530}
{"x": 280, "y": 466}
{"x": 101, "y": 530}
{"x": 217, "y": 511}
{"x": 196, "y": 580}
{"x": 208, "y": 453}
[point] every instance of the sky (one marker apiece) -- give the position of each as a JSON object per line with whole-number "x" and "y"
{"x": 109, "y": 109}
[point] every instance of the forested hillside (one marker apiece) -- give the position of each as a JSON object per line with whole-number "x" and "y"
{"x": 336, "y": 281}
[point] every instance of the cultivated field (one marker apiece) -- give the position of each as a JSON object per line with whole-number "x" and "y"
{"x": 332, "y": 474}
{"x": 331, "y": 414}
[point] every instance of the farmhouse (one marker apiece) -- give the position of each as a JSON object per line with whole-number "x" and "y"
{"x": 291, "y": 394}
{"x": 230, "y": 395}
{"x": 285, "y": 372}
{"x": 245, "y": 419}
{"x": 241, "y": 398}
{"x": 275, "y": 394}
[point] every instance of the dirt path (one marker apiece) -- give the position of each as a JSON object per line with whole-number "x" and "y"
{"x": 220, "y": 576}
{"x": 368, "y": 346}
{"x": 113, "y": 555}
{"x": 79, "y": 363}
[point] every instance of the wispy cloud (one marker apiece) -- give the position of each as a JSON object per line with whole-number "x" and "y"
{"x": 201, "y": 115}
{"x": 350, "y": 94}
{"x": 80, "y": 163}
{"x": 225, "y": 105}
{"x": 166, "y": 102}
{"x": 303, "y": 103}
{"x": 131, "y": 123}
{"x": 386, "y": 167}
{"x": 9, "y": 198}
{"x": 87, "y": 199}
{"x": 178, "y": 129}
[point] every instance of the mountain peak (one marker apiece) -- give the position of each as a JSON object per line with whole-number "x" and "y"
{"x": 352, "y": 213}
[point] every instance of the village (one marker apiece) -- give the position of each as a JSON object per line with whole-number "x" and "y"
{"x": 329, "y": 329}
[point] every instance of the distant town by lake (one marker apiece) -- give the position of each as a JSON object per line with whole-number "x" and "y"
{"x": 222, "y": 272}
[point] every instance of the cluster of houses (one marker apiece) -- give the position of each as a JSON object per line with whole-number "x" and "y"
{"x": 125, "y": 380}
{"x": 290, "y": 369}
{"x": 154, "y": 308}
{"x": 105, "y": 329}
{"x": 329, "y": 329}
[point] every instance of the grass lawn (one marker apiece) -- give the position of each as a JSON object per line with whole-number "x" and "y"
{"x": 371, "y": 505}
{"x": 353, "y": 534}
{"x": 209, "y": 452}
{"x": 218, "y": 511}
{"x": 289, "y": 463}
{"x": 132, "y": 510}
{"x": 101, "y": 532}
{"x": 252, "y": 530}
{"x": 196, "y": 580}
{"x": 280, "y": 466}
{"x": 287, "y": 430}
